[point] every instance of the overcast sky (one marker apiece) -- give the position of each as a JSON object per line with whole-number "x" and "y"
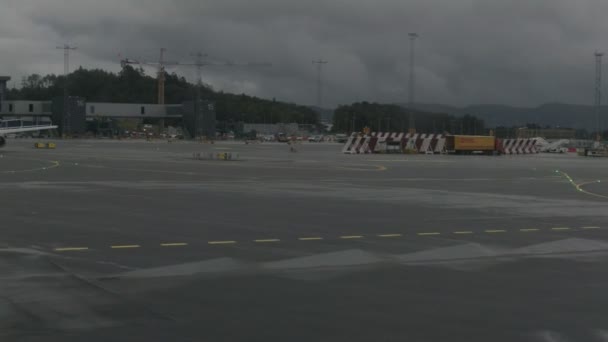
{"x": 517, "y": 52}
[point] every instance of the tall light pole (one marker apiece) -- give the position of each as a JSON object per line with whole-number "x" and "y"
{"x": 598, "y": 92}
{"x": 412, "y": 84}
{"x": 66, "y": 57}
{"x": 66, "y": 122}
{"x": 319, "y": 64}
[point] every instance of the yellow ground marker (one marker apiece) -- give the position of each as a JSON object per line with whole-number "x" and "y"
{"x": 389, "y": 235}
{"x": 71, "y": 249}
{"x": 267, "y": 240}
{"x": 346, "y": 237}
{"x": 495, "y": 231}
{"x": 124, "y": 246}
{"x": 464, "y": 232}
{"x": 227, "y": 242}
{"x": 526, "y": 230}
{"x": 173, "y": 244}
{"x": 429, "y": 233}
{"x": 310, "y": 238}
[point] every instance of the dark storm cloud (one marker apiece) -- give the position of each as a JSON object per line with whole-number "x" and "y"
{"x": 470, "y": 51}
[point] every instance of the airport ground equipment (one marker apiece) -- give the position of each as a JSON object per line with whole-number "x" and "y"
{"x": 384, "y": 142}
{"x": 469, "y": 144}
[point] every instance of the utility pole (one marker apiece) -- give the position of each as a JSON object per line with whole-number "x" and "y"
{"x": 412, "y": 83}
{"x": 66, "y": 122}
{"x": 319, "y": 64}
{"x": 598, "y": 93}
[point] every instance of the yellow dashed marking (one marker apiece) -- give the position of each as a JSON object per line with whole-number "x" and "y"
{"x": 124, "y": 246}
{"x": 227, "y": 242}
{"x": 318, "y": 238}
{"x": 389, "y": 235}
{"x": 267, "y": 240}
{"x": 71, "y": 249}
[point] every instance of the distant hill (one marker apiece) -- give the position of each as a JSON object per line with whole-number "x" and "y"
{"x": 551, "y": 114}
{"x": 394, "y": 118}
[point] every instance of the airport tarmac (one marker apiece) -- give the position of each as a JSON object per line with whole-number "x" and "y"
{"x": 107, "y": 240}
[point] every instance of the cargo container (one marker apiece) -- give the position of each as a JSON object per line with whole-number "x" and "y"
{"x": 472, "y": 144}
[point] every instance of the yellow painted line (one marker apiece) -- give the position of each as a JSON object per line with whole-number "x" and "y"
{"x": 227, "y": 242}
{"x": 389, "y": 235}
{"x": 579, "y": 187}
{"x": 310, "y": 238}
{"x": 351, "y": 237}
{"x": 71, "y": 249}
{"x": 174, "y": 244}
{"x": 494, "y": 231}
{"x": 430, "y": 233}
{"x": 590, "y": 227}
{"x": 529, "y": 230}
{"x": 266, "y": 240}
{"x": 560, "y": 228}
{"x": 124, "y": 246}
{"x": 464, "y": 232}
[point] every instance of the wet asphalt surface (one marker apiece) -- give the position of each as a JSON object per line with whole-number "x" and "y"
{"x": 106, "y": 240}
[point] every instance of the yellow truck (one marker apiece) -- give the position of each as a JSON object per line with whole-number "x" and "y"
{"x": 470, "y": 144}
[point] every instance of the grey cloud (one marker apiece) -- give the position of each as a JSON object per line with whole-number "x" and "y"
{"x": 517, "y": 52}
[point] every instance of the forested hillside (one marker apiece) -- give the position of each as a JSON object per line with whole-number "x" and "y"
{"x": 131, "y": 85}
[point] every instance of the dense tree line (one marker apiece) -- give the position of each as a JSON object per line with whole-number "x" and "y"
{"x": 131, "y": 85}
{"x": 394, "y": 118}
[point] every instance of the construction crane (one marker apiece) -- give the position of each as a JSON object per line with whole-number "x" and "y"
{"x": 199, "y": 63}
{"x": 160, "y": 71}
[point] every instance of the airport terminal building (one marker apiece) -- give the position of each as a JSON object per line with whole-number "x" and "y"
{"x": 72, "y": 113}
